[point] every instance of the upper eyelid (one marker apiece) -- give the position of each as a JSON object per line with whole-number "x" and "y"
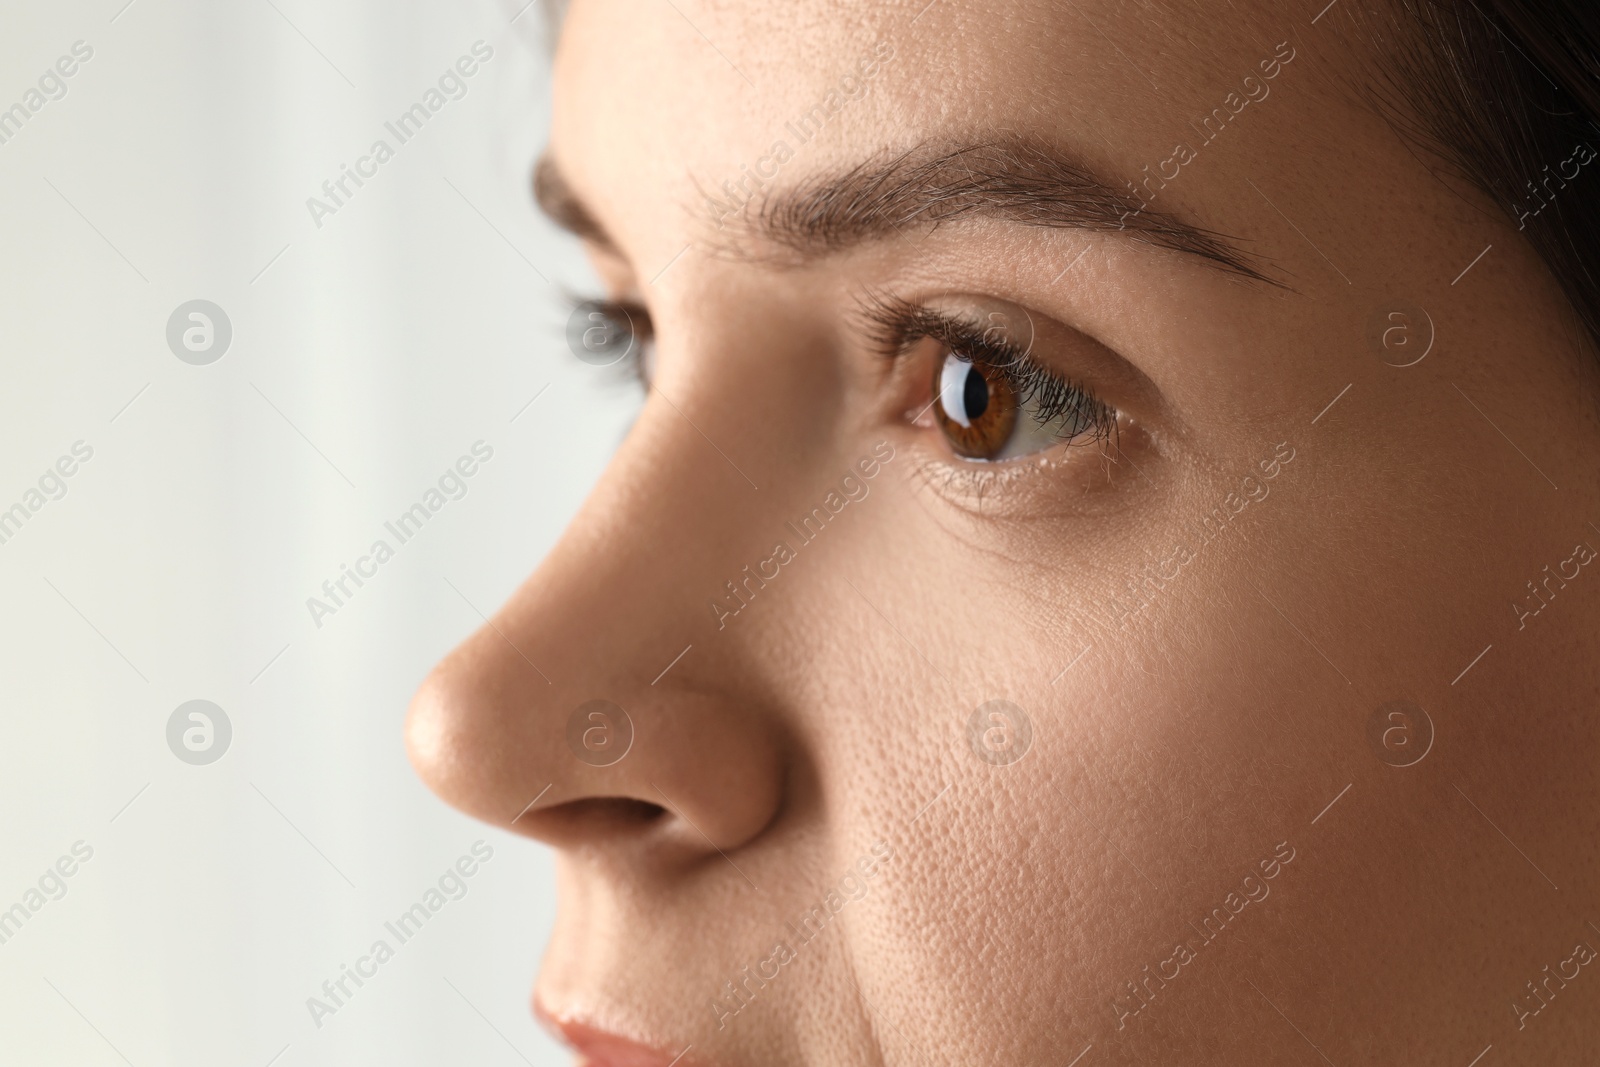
{"x": 894, "y": 324}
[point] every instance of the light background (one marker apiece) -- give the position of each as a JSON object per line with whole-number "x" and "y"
{"x": 367, "y": 355}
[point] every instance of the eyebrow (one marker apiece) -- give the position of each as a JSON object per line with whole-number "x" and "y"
{"x": 561, "y": 205}
{"x": 1011, "y": 180}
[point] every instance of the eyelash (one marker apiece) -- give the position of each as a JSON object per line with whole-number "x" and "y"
{"x": 895, "y": 325}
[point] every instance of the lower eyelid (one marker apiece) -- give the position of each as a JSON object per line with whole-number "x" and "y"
{"x": 1051, "y": 485}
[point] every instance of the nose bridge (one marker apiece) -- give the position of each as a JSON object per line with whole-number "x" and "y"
{"x": 595, "y": 692}
{"x": 631, "y": 572}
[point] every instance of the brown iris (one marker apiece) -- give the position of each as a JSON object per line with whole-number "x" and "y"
{"x": 975, "y": 407}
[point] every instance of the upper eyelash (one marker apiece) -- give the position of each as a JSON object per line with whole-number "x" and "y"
{"x": 894, "y": 325}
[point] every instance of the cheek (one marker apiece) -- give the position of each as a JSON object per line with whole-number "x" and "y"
{"x": 933, "y": 631}
{"x": 1119, "y": 737}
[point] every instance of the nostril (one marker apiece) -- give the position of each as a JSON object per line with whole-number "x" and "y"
{"x": 605, "y": 815}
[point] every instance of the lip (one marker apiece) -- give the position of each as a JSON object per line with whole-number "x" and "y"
{"x": 601, "y": 1048}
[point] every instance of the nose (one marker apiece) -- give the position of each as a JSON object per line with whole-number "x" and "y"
{"x": 597, "y": 706}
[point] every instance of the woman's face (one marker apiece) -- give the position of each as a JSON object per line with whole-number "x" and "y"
{"x": 1070, "y": 427}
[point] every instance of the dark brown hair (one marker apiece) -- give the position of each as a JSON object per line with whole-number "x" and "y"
{"x": 1508, "y": 93}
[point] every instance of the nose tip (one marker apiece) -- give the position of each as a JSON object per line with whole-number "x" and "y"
{"x": 446, "y": 739}
{"x": 683, "y": 767}
{"x": 556, "y": 719}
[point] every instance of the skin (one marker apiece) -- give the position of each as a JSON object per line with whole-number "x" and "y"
{"x": 1170, "y": 756}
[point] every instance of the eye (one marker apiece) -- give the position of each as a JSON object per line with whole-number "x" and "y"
{"x": 613, "y": 333}
{"x": 1000, "y": 405}
{"x": 992, "y": 400}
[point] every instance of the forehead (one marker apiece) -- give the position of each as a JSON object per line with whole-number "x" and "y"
{"x": 661, "y": 103}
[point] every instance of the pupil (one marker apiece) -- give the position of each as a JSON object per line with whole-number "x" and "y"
{"x": 974, "y": 394}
